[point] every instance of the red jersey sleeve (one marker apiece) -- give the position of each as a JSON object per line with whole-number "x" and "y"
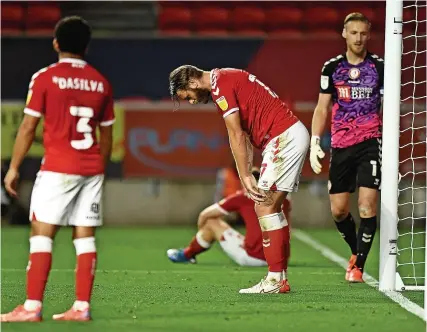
{"x": 223, "y": 95}
{"x": 233, "y": 202}
{"x": 35, "y": 103}
{"x": 108, "y": 117}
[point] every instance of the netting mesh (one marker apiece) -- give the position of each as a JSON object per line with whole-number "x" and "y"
{"x": 412, "y": 152}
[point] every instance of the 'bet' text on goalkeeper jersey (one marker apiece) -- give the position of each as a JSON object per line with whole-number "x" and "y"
{"x": 356, "y": 95}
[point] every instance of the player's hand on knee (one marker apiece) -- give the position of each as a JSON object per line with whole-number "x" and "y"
{"x": 316, "y": 153}
{"x": 11, "y": 182}
{"x": 251, "y": 187}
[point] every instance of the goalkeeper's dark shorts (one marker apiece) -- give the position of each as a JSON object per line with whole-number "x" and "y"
{"x": 359, "y": 165}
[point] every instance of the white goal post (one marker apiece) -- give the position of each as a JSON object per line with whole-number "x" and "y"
{"x": 403, "y": 218}
{"x": 390, "y": 145}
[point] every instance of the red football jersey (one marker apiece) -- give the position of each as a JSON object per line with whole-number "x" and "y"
{"x": 74, "y": 99}
{"x": 263, "y": 115}
{"x": 239, "y": 202}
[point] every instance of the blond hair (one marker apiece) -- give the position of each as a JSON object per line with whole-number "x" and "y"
{"x": 356, "y": 17}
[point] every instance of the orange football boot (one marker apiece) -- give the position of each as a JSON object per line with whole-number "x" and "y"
{"x": 74, "y": 315}
{"x": 19, "y": 314}
{"x": 350, "y": 266}
{"x": 285, "y": 288}
{"x": 356, "y": 275}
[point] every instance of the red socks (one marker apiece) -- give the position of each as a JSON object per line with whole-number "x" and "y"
{"x": 85, "y": 269}
{"x": 287, "y": 246}
{"x": 196, "y": 246}
{"x": 38, "y": 267}
{"x": 275, "y": 234}
{"x": 41, "y": 260}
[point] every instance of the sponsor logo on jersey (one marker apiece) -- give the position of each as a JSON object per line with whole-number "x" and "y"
{"x": 361, "y": 92}
{"x": 354, "y": 73}
{"x": 324, "y": 82}
{"x": 353, "y": 93}
{"x": 222, "y": 103}
{"x": 343, "y": 92}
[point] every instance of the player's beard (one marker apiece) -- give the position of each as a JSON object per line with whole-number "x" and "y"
{"x": 202, "y": 95}
{"x": 358, "y": 49}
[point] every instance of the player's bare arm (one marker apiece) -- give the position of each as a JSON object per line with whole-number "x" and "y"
{"x": 213, "y": 211}
{"x": 250, "y": 150}
{"x": 321, "y": 114}
{"x": 24, "y": 139}
{"x": 239, "y": 149}
{"x": 106, "y": 142}
{"x": 238, "y": 144}
{"x": 317, "y": 128}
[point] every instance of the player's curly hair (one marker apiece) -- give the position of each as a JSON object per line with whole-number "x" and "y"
{"x": 180, "y": 77}
{"x": 357, "y": 17}
{"x": 73, "y": 35}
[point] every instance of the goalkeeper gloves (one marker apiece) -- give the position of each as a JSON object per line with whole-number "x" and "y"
{"x": 316, "y": 153}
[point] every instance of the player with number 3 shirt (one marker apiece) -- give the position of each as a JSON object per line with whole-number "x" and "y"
{"x": 254, "y": 117}
{"x": 75, "y": 100}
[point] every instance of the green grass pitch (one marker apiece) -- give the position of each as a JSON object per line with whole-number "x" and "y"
{"x": 138, "y": 289}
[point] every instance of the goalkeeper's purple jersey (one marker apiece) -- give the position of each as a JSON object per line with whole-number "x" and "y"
{"x": 356, "y": 95}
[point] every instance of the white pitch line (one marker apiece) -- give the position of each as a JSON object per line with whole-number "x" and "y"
{"x": 404, "y": 302}
{"x": 188, "y": 272}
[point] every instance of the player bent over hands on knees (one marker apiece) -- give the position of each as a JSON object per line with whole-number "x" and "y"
{"x": 254, "y": 116}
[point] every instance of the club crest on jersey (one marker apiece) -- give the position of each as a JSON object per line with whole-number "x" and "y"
{"x": 222, "y": 103}
{"x": 354, "y": 73}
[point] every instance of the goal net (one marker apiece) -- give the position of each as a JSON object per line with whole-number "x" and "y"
{"x": 411, "y": 227}
{"x": 403, "y": 253}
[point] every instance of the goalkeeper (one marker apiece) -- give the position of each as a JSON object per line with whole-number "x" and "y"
{"x": 353, "y": 83}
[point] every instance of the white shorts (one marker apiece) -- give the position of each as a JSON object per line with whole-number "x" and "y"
{"x": 283, "y": 159}
{"x": 233, "y": 247}
{"x": 65, "y": 199}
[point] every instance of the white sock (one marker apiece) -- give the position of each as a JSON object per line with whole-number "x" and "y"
{"x": 84, "y": 245}
{"x": 32, "y": 305}
{"x": 80, "y": 305}
{"x": 274, "y": 275}
{"x": 201, "y": 241}
{"x": 40, "y": 243}
{"x": 285, "y": 275}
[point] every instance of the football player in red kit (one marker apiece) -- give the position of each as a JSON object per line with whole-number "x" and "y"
{"x": 244, "y": 250}
{"x": 254, "y": 117}
{"x": 75, "y": 100}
